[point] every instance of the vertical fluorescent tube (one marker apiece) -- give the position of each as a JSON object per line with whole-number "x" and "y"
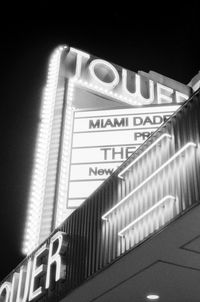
{"x": 65, "y": 157}
{"x": 36, "y": 194}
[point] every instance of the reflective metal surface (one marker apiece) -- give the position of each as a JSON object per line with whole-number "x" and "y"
{"x": 131, "y": 206}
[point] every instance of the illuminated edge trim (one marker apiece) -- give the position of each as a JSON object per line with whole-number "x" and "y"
{"x": 118, "y": 96}
{"x": 143, "y": 153}
{"x": 114, "y": 95}
{"x": 121, "y": 233}
{"x": 168, "y": 109}
{"x": 190, "y": 144}
{"x": 65, "y": 156}
{"x": 62, "y": 189}
{"x": 36, "y": 194}
{"x": 33, "y": 218}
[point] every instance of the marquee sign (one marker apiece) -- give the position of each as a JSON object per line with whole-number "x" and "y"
{"x": 94, "y": 115}
{"x": 102, "y": 140}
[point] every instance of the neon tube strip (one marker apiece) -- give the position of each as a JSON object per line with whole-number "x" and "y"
{"x": 149, "y": 211}
{"x": 65, "y": 156}
{"x": 188, "y": 145}
{"x": 33, "y": 219}
{"x": 142, "y": 154}
{"x": 115, "y": 95}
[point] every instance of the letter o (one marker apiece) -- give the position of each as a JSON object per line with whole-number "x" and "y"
{"x": 104, "y": 73}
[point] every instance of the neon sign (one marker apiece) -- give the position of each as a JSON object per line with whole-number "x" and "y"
{"x": 146, "y": 180}
{"x": 161, "y": 204}
{"x": 128, "y": 87}
{"x": 100, "y": 145}
{"x": 25, "y": 284}
{"x": 148, "y": 210}
{"x": 78, "y": 84}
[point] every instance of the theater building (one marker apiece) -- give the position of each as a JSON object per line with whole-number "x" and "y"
{"x": 113, "y": 211}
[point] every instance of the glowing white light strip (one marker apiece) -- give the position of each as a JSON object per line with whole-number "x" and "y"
{"x": 109, "y": 93}
{"x": 168, "y": 110}
{"x": 143, "y": 153}
{"x": 37, "y": 190}
{"x": 115, "y": 95}
{"x": 36, "y": 197}
{"x": 149, "y": 211}
{"x": 65, "y": 157}
{"x": 190, "y": 144}
{"x": 153, "y": 297}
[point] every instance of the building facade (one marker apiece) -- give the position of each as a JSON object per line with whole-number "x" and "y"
{"x": 94, "y": 115}
{"x": 137, "y": 233}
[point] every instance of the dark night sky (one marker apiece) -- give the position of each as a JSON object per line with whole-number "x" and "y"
{"x": 164, "y": 41}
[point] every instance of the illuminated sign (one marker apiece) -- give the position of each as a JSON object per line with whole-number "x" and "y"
{"x": 165, "y": 205}
{"x": 94, "y": 115}
{"x": 147, "y": 216}
{"x": 121, "y": 84}
{"x": 102, "y": 140}
{"x": 156, "y": 186}
{"x": 26, "y": 284}
{"x": 131, "y": 220}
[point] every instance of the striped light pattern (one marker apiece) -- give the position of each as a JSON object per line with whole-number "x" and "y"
{"x": 151, "y": 193}
{"x": 159, "y": 140}
{"x": 34, "y": 211}
{"x": 151, "y": 219}
{"x": 49, "y": 189}
{"x": 94, "y": 244}
{"x": 143, "y": 183}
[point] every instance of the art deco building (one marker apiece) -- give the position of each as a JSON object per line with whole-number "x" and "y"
{"x": 113, "y": 211}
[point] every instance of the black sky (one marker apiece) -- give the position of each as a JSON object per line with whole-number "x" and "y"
{"x": 165, "y": 41}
